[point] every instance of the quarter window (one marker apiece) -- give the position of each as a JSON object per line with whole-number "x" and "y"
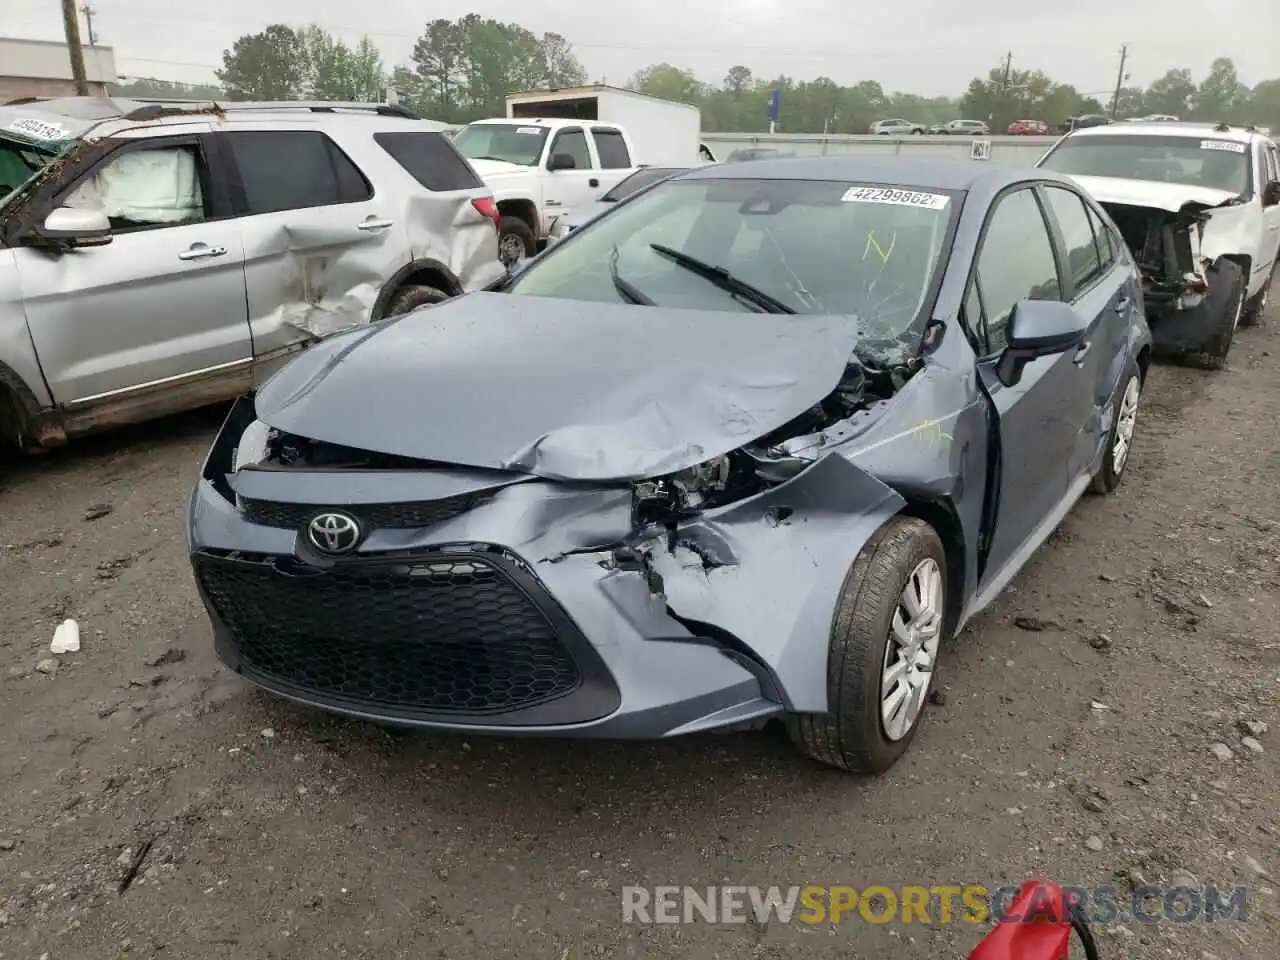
{"x": 574, "y": 143}
{"x": 1016, "y": 263}
{"x": 1083, "y": 261}
{"x": 293, "y": 170}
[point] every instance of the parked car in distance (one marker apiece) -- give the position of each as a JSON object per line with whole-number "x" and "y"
{"x": 1028, "y": 128}
{"x": 1081, "y": 122}
{"x": 895, "y": 128}
{"x": 1199, "y": 208}
{"x": 642, "y": 179}
{"x": 160, "y": 256}
{"x": 728, "y": 454}
{"x": 962, "y": 128}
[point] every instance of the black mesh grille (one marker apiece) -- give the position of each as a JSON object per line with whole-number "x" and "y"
{"x": 394, "y": 516}
{"x": 438, "y": 635}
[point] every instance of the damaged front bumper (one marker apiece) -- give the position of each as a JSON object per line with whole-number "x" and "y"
{"x": 507, "y": 604}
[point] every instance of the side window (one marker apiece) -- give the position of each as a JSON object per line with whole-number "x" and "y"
{"x": 1015, "y": 263}
{"x": 144, "y": 189}
{"x": 574, "y": 143}
{"x": 1108, "y": 252}
{"x": 612, "y": 147}
{"x": 1083, "y": 262}
{"x": 293, "y": 170}
{"x": 1273, "y": 153}
{"x": 431, "y": 159}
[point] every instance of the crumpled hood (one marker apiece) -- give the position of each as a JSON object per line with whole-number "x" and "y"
{"x": 490, "y": 168}
{"x": 1150, "y": 193}
{"x": 560, "y": 389}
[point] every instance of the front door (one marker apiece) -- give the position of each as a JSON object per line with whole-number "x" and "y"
{"x": 156, "y": 317}
{"x": 569, "y": 190}
{"x": 1037, "y": 418}
{"x": 1271, "y": 214}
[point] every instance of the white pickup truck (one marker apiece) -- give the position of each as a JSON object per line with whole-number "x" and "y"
{"x": 561, "y": 149}
{"x": 541, "y": 170}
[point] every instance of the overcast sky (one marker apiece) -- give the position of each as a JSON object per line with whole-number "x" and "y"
{"x": 922, "y": 46}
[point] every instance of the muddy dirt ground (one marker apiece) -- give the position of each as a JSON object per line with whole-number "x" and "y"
{"x": 1104, "y": 746}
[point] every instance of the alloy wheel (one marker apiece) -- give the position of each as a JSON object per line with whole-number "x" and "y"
{"x": 911, "y": 650}
{"x": 1126, "y": 422}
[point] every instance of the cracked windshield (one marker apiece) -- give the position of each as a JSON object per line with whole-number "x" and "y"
{"x": 655, "y": 480}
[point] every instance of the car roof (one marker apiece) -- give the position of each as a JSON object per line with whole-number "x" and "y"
{"x": 920, "y": 172}
{"x": 1157, "y": 128}
{"x": 107, "y": 116}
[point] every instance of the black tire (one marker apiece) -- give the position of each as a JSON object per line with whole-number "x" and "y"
{"x": 411, "y": 297}
{"x": 510, "y": 230}
{"x": 1109, "y": 476}
{"x": 1257, "y": 305}
{"x": 851, "y": 735}
{"x": 917, "y": 133}
{"x": 1220, "y": 312}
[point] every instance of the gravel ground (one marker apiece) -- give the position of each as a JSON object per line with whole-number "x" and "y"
{"x": 1093, "y": 732}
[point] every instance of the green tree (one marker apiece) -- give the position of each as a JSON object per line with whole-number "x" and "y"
{"x": 439, "y": 63}
{"x": 561, "y": 67}
{"x": 669, "y": 83}
{"x": 1221, "y": 95}
{"x": 335, "y": 71}
{"x": 1174, "y": 94}
{"x": 270, "y": 65}
{"x": 1264, "y": 105}
{"x": 501, "y": 58}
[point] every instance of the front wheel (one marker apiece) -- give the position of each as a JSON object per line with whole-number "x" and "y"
{"x": 1124, "y": 421}
{"x": 888, "y": 624}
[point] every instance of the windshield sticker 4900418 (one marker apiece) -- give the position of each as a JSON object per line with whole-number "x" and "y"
{"x": 900, "y": 198}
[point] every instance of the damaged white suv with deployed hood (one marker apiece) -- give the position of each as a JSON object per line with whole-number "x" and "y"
{"x": 156, "y": 257}
{"x": 1199, "y": 205}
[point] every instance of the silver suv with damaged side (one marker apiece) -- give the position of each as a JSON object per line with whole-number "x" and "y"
{"x": 156, "y": 257}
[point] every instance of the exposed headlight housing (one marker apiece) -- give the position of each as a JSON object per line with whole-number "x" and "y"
{"x": 254, "y": 446}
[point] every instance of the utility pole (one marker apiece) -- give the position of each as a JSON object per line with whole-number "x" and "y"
{"x": 71, "y": 24}
{"x": 88, "y": 12}
{"x": 1004, "y": 91}
{"x": 1115, "y": 98}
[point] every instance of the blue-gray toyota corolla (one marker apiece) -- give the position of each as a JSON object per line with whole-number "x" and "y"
{"x": 749, "y": 446}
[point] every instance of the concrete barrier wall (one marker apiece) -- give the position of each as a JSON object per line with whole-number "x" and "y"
{"x": 1016, "y": 151}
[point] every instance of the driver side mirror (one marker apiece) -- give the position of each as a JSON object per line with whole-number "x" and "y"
{"x": 1271, "y": 195}
{"x": 1038, "y": 328}
{"x": 561, "y": 161}
{"x": 74, "y": 227}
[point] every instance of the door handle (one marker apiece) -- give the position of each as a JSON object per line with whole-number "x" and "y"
{"x": 1081, "y": 351}
{"x": 593, "y": 182}
{"x": 202, "y": 251}
{"x": 1122, "y": 304}
{"x": 372, "y": 224}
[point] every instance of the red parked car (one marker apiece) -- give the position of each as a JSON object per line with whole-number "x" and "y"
{"x": 1028, "y": 128}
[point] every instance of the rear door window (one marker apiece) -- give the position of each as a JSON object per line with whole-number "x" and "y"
{"x": 611, "y": 145}
{"x": 293, "y": 170}
{"x": 430, "y": 159}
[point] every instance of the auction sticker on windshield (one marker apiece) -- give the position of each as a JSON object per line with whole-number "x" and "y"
{"x": 38, "y": 129}
{"x": 899, "y": 198}
{"x": 1229, "y": 145}
{"x": 533, "y": 130}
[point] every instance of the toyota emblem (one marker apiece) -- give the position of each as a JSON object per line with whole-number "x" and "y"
{"x": 333, "y": 532}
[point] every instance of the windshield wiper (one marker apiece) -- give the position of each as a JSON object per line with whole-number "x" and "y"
{"x": 487, "y": 157}
{"x": 627, "y": 290}
{"x": 723, "y": 279}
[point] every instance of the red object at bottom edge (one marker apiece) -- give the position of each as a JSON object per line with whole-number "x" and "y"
{"x": 1036, "y": 926}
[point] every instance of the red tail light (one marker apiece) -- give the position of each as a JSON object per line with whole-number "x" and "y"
{"x": 486, "y": 207}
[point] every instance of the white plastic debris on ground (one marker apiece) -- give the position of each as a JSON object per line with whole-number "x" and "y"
{"x": 66, "y": 639}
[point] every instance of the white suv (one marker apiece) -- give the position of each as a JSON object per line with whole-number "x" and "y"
{"x": 1199, "y": 206}
{"x": 160, "y": 256}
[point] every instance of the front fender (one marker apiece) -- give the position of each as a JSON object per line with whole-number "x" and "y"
{"x": 768, "y": 570}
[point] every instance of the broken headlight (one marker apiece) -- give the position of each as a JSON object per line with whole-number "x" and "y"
{"x": 254, "y": 446}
